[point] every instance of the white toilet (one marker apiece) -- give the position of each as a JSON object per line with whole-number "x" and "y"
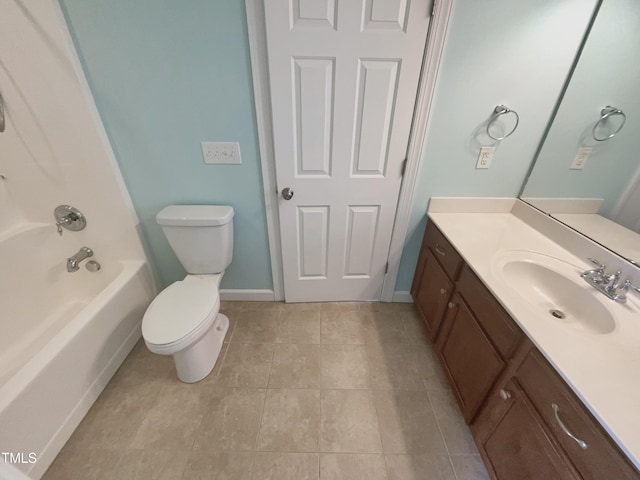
{"x": 183, "y": 320}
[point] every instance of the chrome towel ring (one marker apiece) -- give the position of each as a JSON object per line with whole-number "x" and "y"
{"x": 497, "y": 112}
{"x": 605, "y": 113}
{"x": 1, "y": 114}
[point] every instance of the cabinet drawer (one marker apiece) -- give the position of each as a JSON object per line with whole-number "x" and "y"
{"x": 601, "y": 459}
{"x": 497, "y": 323}
{"x": 445, "y": 254}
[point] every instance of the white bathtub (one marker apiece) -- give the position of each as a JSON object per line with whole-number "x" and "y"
{"x": 62, "y": 336}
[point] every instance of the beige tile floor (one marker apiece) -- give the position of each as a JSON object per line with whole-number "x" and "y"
{"x": 301, "y": 392}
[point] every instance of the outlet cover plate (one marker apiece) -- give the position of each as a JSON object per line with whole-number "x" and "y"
{"x": 221, "y": 152}
{"x": 581, "y": 158}
{"x": 485, "y": 157}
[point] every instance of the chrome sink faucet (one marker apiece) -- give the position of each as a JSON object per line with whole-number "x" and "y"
{"x": 608, "y": 283}
{"x": 73, "y": 262}
{"x": 595, "y": 275}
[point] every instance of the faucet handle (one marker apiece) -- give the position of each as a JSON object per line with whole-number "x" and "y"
{"x": 62, "y": 221}
{"x": 597, "y": 264}
{"x": 627, "y": 285}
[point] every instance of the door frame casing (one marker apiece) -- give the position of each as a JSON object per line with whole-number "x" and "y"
{"x": 262, "y": 99}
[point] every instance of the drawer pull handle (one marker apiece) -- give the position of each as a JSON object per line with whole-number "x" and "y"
{"x": 443, "y": 291}
{"x": 451, "y": 305}
{"x": 505, "y": 394}
{"x": 440, "y": 250}
{"x": 582, "y": 444}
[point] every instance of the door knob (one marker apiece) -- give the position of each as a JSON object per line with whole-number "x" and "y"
{"x": 287, "y": 193}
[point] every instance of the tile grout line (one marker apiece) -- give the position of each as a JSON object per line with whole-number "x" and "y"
{"x": 382, "y": 452}
{"x": 264, "y": 403}
{"x": 320, "y": 390}
{"x": 273, "y": 356}
{"x": 319, "y": 447}
{"x": 455, "y": 474}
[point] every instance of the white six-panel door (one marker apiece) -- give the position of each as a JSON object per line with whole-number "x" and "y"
{"x": 343, "y": 80}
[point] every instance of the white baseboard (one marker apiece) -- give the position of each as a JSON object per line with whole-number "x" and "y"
{"x": 402, "y": 296}
{"x": 247, "y": 295}
{"x": 269, "y": 296}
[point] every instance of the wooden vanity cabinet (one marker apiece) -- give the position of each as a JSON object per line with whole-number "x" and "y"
{"x": 476, "y": 340}
{"x": 590, "y": 450}
{"x": 437, "y": 269}
{"x": 470, "y": 361}
{"x": 517, "y": 446}
{"x": 504, "y": 386}
{"x": 532, "y": 399}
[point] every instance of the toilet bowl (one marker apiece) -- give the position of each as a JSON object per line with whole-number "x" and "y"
{"x": 196, "y": 339}
{"x": 184, "y": 319}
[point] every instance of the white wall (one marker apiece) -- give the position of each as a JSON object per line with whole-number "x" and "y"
{"x": 54, "y": 150}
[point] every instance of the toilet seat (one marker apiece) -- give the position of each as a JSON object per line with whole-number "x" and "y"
{"x": 181, "y": 314}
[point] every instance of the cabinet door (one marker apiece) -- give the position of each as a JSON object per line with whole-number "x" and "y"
{"x": 432, "y": 294}
{"x": 596, "y": 458}
{"x": 518, "y": 447}
{"x": 417, "y": 275}
{"x": 494, "y": 320}
{"x": 469, "y": 358}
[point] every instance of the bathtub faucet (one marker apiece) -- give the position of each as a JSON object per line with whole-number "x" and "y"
{"x": 74, "y": 261}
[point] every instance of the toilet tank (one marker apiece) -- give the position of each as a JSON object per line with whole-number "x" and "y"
{"x": 200, "y": 235}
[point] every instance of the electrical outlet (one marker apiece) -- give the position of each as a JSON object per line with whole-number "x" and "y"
{"x": 581, "y": 158}
{"x": 485, "y": 157}
{"x": 221, "y": 152}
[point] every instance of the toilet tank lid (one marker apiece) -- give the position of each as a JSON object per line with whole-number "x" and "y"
{"x": 195, "y": 215}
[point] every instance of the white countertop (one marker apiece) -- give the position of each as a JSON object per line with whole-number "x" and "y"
{"x": 603, "y": 370}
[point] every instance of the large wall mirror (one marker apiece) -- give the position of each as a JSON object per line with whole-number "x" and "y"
{"x": 587, "y": 171}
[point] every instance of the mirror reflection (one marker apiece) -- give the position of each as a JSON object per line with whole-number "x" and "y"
{"x": 587, "y": 172}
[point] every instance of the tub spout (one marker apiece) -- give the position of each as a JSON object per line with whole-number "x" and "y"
{"x": 73, "y": 263}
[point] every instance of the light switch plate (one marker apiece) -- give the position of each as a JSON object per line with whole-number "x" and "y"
{"x": 485, "y": 157}
{"x": 581, "y": 158}
{"x": 221, "y": 152}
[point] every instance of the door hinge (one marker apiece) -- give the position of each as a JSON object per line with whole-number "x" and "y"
{"x": 403, "y": 168}
{"x": 433, "y": 8}
{"x": 386, "y": 268}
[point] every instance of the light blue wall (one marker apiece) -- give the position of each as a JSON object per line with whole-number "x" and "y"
{"x": 494, "y": 54}
{"x": 167, "y": 75}
{"x": 608, "y": 73}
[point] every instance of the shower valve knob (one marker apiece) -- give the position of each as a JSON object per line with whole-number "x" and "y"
{"x": 70, "y": 218}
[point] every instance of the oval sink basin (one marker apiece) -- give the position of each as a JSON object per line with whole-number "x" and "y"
{"x": 547, "y": 284}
